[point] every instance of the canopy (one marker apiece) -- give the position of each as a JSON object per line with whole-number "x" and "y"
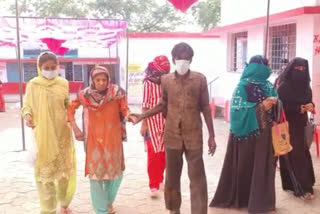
{"x": 59, "y": 34}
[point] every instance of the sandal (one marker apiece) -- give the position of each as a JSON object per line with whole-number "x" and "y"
{"x": 308, "y": 196}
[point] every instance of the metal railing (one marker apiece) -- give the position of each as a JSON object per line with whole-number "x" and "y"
{"x": 210, "y": 86}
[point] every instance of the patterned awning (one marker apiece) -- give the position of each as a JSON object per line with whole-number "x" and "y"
{"x": 61, "y": 34}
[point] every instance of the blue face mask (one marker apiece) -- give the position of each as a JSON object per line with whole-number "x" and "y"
{"x": 49, "y": 74}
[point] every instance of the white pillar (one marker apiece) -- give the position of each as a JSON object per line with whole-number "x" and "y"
{"x": 316, "y": 66}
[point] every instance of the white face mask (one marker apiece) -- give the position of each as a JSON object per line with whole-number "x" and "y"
{"x": 49, "y": 74}
{"x": 182, "y": 66}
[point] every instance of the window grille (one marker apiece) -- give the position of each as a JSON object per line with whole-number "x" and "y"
{"x": 239, "y": 51}
{"x": 77, "y": 73}
{"x": 282, "y": 46}
{"x": 29, "y": 71}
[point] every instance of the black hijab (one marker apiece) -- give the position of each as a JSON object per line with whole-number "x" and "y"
{"x": 294, "y": 85}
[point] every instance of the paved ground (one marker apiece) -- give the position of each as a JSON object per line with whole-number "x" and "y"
{"x": 18, "y": 193}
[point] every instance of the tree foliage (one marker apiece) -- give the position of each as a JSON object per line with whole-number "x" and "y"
{"x": 142, "y": 15}
{"x": 207, "y": 13}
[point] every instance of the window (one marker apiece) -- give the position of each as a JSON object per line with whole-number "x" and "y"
{"x": 239, "y": 51}
{"x": 77, "y": 73}
{"x": 29, "y": 71}
{"x": 68, "y": 70}
{"x": 282, "y": 46}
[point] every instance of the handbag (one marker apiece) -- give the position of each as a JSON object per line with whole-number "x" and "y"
{"x": 280, "y": 136}
{"x": 309, "y": 131}
{"x": 32, "y": 153}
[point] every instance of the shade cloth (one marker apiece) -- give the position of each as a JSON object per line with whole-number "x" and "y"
{"x": 61, "y": 34}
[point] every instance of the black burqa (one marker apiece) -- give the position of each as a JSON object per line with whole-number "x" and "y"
{"x": 248, "y": 174}
{"x": 294, "y": 90}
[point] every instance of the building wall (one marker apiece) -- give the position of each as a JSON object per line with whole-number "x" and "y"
{"x": 7, "y": 53}
{"x": 316, "y": 67}
{"x": 206, "y": 52}
{"x": 248, "y": 9}
{"x": 307, "y": 27}
{"x": 256, "y": 40}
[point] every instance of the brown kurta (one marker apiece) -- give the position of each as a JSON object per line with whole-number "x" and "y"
{"x": 185, "y": 99}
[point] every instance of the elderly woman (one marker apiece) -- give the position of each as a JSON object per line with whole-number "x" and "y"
{"x": 296, "y": 94}
{"x": 105, "y": 108}
{"x": 45, "y": 111}
{"x": 248, "y": 173}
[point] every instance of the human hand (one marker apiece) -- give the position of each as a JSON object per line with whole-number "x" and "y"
{"x": 269, "y": 103}
{"x": 135, "y": 118}
{"x": 29, "y": 121}
{"x": 303, "y": 109}
{"x": 131, "y": 118}
{"x": 309, "y": 107}
{"x": 78, "y": 134}
{"x": 212, "y": 145}
{"x": 144, "y": 129}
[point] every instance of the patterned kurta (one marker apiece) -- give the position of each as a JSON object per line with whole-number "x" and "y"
{"x": 156, "y": 123}
{"x": 103, "y": 136}
{"x": 46, "y": 102}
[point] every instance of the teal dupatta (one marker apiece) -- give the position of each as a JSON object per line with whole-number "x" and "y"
{"x": 243, "y": 113}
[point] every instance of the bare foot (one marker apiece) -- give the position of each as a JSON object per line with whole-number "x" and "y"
{"x": 111, "y": 209}
{"x": 65, "y": 210}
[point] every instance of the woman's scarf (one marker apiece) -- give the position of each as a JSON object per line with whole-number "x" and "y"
{"x": 112, "y": 92}
{"x": 294, "y": 85}
{"x": 158, "y": 67}
{"x": 91, "y": 91}
{"x": 41, "y": 80}
{"x": 252, "y": 89}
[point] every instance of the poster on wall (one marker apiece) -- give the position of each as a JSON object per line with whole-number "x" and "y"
{"x": 135, "y": 83}
{"x": 3, "y": 72}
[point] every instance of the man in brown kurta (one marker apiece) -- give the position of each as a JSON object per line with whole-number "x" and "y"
{"x": 184, "y": 97}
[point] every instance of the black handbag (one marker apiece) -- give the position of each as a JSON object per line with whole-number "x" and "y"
{"x": 309, "y": 131}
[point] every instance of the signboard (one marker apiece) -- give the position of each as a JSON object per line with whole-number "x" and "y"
{"x": 135, "y": 83}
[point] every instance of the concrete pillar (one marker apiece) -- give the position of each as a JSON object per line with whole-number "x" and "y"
{"x": 316, "y": 66}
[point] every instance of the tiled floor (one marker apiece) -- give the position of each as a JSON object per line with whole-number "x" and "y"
{"x": 18, "y": 193}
